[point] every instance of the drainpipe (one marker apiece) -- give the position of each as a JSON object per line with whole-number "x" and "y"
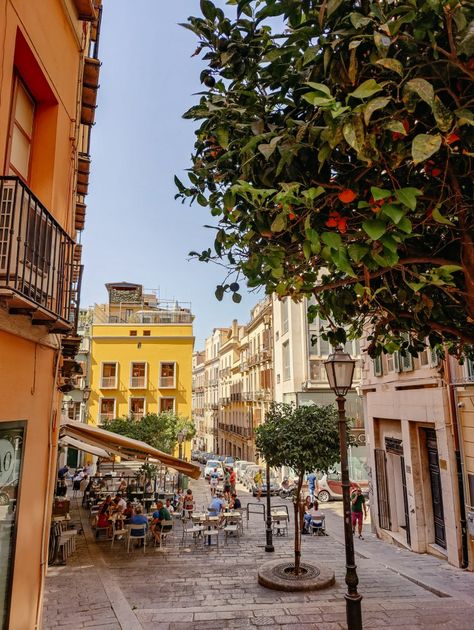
{"x": 459, "y": 462}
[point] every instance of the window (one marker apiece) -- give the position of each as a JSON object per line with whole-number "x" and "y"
{"x": 167, "y": 404}
{"x": 133, "y": 333}
{"x": 137, "y": 408}
{"x": 23, "y": 114}
{"x": 286, "y": 361}
{"x": 147, "y": 333}
{"x": 470, "y": 369}
{"x": 315, "y": 373}
{"x": 284, "y": 316}
{"x": 138, "y": 374}
{"x": 106, "y": 409}
{"x": 109, "y": 376}
{"x": 393, "y": 362}
{"x": 167, "y": 375}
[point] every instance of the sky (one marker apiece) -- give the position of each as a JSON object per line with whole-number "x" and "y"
{"x": 135, "y": 230}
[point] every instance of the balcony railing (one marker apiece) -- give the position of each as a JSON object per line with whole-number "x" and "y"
{"x": 104, "y": 417}
{"x": 167, "y": 382}
{"x": 38, "y": 273}
{"x": 108, "y": 382}
{"x": 138, "y": 382}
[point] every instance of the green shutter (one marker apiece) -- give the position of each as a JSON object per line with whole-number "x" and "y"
{"x": 470, "y": 369}
{"x": 434, "y": 358}
{"x": 377, "y": 362}
{"x": 396, "y": 361}
{"x": 406, "y": 362}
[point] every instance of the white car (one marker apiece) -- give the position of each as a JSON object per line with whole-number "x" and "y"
{"x": 210, "y": 465}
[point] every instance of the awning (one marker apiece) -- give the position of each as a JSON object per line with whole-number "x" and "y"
{"x": 126, "y": 447}
{"x": 83, "y": 446}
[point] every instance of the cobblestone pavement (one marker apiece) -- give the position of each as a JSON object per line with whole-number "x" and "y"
{"x": 188, "y": 587}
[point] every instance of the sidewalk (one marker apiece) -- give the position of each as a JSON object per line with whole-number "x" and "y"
{"x": 189, "y": 588}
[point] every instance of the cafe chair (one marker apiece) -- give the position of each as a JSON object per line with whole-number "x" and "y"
{"x": 136, "y": 538}
{"x": 162, "y": 535}
{"x": 192, "y": 530}
{"x": 318, "y": 526}
{"x": 118, "y": 530}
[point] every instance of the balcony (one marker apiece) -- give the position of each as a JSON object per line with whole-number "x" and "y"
{"x": 108, "y": 382}
{"x": 39, "y": 275}
{"x": 85, "y": 10}
{"x": 105, "y": 417}
{"x": 83, "y": 173}
{"x": 138, "y": 382}
{"x": 167, "y": 382}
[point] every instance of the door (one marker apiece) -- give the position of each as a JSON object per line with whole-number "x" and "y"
{"x": 436, "y": 490}
{"x": 405, "y": 501}
{"x": 382, "y": 488}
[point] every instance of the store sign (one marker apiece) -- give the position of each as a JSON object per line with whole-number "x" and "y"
{"x": 7, "y": 461}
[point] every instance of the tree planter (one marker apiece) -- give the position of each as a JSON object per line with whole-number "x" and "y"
{"x": 279, "y": 576}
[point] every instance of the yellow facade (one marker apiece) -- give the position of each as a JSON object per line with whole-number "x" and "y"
{"x": 139, "y": 368}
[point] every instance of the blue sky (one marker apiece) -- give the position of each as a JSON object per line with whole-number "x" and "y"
{"x": 135, "y": 230}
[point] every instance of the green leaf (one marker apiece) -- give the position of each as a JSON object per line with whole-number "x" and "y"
{"x": 309, "y": 54}
{"x": 359, "y": 21}
{"x": 331, "y": 239}
{"x": 222, "y": 135}
{"x": 424, "y": 146}
{"x": 208, "y": 9}
{"x": 393, "y": 211}
{"x": 318, "y": 100}
{"x": 408, "y": 196}
{"x": 202, "y": 201}
{"x": 340, "y": 260}
{"x": 420, "y": 88}
{"x": 267, "y": 150}
{"x": 333, "y": 5}
{"x": 391, "y": 64}
{"x": 357, "y": 252}
{"x": 405, "y": 225}
{"x": 366, "y": 89}
{"x": 320, "y": 87}
{"x": 313, "y": 193}
{"x": 307, "y": 250}
{"x": 396, "y": 126}
{"x": 314, "y": 239}
{"x": 443, "y": 115}
{"x": 382, "y": 43}
{"x": 465, "y": 116}
{"x": 279, "y": 223}
{"x": 374, "y": 228}
{"x": 379, "y": 193}
{"x": 359, "y": 289}
{"x": 438, "y": 217}
{"x": 373, "y": 105}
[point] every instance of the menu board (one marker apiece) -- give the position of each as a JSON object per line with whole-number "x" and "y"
{"x": 11, "y": 452}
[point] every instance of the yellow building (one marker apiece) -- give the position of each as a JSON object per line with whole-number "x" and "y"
{"x": 141, "y": 356}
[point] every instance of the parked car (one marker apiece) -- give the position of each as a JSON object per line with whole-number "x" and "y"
{"x": 195, "y": 455}
{"x": 205, "y": 456}
{"x": 250, "y": 472}
{"x": 240, "y": 469}
{"x": 274, "y": 487}
{"x": 229, "y": 462}
{"x": 330, "y": 487}
{"x": 210, "y": 465}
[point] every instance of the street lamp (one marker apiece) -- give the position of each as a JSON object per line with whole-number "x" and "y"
{"x": 181, "y": 437}
{"x": 268, "y": 529}
{"x": 340, "y": 370}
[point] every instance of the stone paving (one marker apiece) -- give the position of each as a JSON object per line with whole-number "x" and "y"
{"x": 188, "y": 587}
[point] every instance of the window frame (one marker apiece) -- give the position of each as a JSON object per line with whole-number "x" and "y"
{"x": 161, "y": 410}
{"x": 115, "y": 386}
{"x": 160, "y": 376}
{"x": 100, "y": 414}
{"x": 286, "y": 369}
{"x": 285, "y": 316}
{"x": 18, "y": 81}
{"x": 145, "y": 377}
{"x": 130, "y": 412}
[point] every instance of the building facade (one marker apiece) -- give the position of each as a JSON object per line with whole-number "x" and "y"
{"x": 413, "y": 438}
{"x": 47, "y": 105}
{"x": 141, "y": 356}
{"x": 199, "y": 373}
{"x": 209, "y": 433}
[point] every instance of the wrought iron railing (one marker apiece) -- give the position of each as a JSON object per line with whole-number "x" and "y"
{"x": 36, "y": 255}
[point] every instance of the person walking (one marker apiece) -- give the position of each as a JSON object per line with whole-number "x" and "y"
{"x": 258, "y": 479}
{"x": 312, "y": 485}
{"x": 213, "y": 481}
{"x": 359, "y": 510}
{"x": 233, "y": 481}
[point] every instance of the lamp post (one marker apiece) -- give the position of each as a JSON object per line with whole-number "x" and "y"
{"x": 268, "y": 529}
{"x": 340, "y": 370}
{"x": 181, "y": 437}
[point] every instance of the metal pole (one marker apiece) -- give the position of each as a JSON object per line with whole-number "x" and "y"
{"x": 180, "y": 455}
{"x": 268, "y": 529}
{"x": 353, "y": 598}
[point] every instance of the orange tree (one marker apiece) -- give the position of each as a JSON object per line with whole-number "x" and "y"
{"x": 334, "y": 150}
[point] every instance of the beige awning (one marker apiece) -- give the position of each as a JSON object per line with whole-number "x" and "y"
{"x": 126, "y": 447}
{"x": 83, "y": 446}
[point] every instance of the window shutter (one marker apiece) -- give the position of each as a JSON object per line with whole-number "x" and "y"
{"x": 470, "y": 369}
{"x": 434, "y": 358}
{"x": 396, "y": 361}
{"x": 377, "y": 363}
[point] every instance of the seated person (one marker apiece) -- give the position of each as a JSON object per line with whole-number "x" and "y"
{"x": 315, "y": 515}
{"x": 235, "y": 503}
{"x": 139, "y": 519}
{"x": 148, "y": 487}
{"x": 122, "y": 485}
{"x": 161, "y": 519}
{"x": 119, "y": 503}
{"x": 128, "y": 512}
{"x": 169, "y": 506}
{"x": 178, "y": 499}
{"x": 217, "y": 505}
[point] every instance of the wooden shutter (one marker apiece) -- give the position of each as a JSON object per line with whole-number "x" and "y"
{"x": 382, "y": 488}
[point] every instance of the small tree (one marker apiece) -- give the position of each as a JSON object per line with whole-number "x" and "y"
{"x": 158, "y": 430}
{"x": 303, "y": 438}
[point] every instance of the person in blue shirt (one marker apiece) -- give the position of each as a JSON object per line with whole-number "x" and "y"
{"x": 311, "y": 484}
{"x": 216, "y": 506}
{"x": 139, "y": 519}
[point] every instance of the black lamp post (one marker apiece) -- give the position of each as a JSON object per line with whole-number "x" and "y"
{"x": 268, "y": 527}
{"x": 181, "y": 437}
{"x": 340, "y": 370}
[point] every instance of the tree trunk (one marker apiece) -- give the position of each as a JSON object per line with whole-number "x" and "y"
{"x": 298, "y": 525}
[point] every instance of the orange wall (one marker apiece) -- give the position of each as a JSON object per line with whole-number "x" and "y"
{"x": 56, "y": 50}
{"x": 26, "y": 390}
